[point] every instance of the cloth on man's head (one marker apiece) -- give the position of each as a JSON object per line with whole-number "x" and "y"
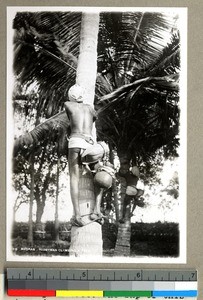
{"x": 76, "y": 93}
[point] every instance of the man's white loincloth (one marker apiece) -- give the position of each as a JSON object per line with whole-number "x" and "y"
{"x": 78, "y": 142}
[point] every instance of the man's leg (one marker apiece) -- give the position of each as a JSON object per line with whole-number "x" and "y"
{"x": 97, "y": 209}
{"x": 74, "y": 171}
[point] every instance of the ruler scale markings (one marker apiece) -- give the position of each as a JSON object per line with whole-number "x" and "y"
{"x": 65, "y": 274}
{"x": 193, "y": 276}
{"x": 94, "y": 275}
{"x": 23, "y": 273}
{"x": 115, "y": 283}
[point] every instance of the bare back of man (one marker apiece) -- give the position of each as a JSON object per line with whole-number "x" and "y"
{"x": 81, "y": 118}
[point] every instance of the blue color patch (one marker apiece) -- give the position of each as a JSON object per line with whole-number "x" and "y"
{"x": 174, "y": 293}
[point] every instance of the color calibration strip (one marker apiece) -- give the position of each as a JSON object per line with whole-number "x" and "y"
{"x": 99, "y": 294}
{"x": 101, "y": 283}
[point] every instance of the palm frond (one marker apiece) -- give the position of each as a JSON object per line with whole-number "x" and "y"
{"x": 166, "y": 82}
{"x": 53, "y": 129}
{"x": 47, "y": 55}
{"x": 137, "y": 77}
{"x": 135, "y": 42}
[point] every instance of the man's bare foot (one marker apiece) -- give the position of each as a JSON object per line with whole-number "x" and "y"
{"x": 100, "y": 221}
{"x": 77, "y": 221}
{"x": 96, "y": 216}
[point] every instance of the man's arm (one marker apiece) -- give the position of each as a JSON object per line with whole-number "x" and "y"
{"x": 68, "y": 108}
{"x": 67, "y": 105}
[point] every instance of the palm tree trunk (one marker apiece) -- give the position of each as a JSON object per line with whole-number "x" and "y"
{"x": 87, "y": 61}
{"x": 56, "y": 207}
{"x": 39, "y": 213}
{"x": 115, "y": 190}
{"x": 122, "y": 247}
{"x": 30, "y": 222}
{"x": 87, "y": 240}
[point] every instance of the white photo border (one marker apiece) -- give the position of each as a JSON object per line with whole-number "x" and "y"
{"x": 182, "y": 11}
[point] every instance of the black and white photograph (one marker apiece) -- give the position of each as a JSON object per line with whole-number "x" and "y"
{"x": 96, "y": 134}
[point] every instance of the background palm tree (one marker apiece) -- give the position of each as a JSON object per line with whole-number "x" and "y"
{"x": 137, "y": 90}
{"x": 128, "y": 38}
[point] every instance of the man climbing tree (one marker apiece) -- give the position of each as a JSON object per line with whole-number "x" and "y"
{"x": 81, "y": 118}
{"x": 132, "y": 192}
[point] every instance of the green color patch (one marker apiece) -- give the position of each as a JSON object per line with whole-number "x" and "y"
{"x": 127, "y": 293}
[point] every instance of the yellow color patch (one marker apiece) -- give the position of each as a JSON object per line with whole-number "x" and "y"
{"x": 73, "y": 293}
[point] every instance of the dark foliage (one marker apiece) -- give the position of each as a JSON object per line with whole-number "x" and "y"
{"x": 137, "y": 83}
{"x": 154, "y": 239}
